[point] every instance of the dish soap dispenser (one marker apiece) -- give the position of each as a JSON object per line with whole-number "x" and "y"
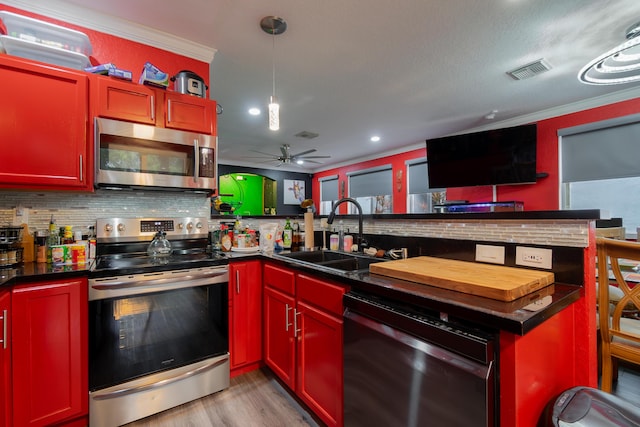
{"x": 159, "y": 246}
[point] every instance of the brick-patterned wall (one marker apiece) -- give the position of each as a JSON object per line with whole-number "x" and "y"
{"x": 82, "y": 209}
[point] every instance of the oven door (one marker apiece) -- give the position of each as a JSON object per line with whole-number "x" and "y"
{"x": 141, "y": 334}
{"x": 135, "y": 155}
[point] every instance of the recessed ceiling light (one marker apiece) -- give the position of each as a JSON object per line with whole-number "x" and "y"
{"x": 300, "y": 162}
{"x": 254, "y": 111}
{"x": 375, "y": 138}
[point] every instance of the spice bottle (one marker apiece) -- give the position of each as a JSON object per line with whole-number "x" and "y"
{"x": 295, "y": 240}
{"x": 287, "y": 235}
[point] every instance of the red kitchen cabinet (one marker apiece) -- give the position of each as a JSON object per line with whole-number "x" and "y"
{"x": 49, "y": 352}
{"x": 303, "y": 338}
{"x": 245, "y": 316}
{"x": 44, "y": 127}
{"x": 190, "y": 113}
{"x": 122, "y": 100}
{"x": 125, "y": 101}
{"x": 5, "y": 358}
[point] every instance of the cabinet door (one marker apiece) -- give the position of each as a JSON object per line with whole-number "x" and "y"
{"x": 125, "y": 101}
{"x": 44, "y": 127}
{"x": 245, "y": 334}
{"x": 319, "y": 377}
{"x": 279, "y": 342}
{"x": 5, "y": 358}
{"x": 190, "y": 113}
{"x": 50, "y": 352}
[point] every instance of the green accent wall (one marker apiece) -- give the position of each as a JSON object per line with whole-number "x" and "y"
{"x": 247, "y": 193}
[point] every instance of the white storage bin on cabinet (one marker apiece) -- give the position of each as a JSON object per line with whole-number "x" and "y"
{"x": 44, "y": 33}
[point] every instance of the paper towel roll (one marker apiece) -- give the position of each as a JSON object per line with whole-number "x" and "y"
{"x": 308, "y": 229}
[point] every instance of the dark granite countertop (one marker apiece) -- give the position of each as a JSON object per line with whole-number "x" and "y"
{"x": 34, "y": 271}
{"x": 518, "y": 317}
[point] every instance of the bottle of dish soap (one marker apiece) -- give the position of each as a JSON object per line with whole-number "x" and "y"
{"x": 159, "y": 246}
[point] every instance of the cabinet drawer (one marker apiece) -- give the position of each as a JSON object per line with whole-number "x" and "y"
{"x": 321, "y": 294}
{"x": 279, "y": 278}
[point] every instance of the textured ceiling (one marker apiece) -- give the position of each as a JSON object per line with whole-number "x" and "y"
{"x": 405, "y": 70}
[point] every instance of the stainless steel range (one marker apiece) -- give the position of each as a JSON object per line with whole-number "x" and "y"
{"x": 158, "y": 325}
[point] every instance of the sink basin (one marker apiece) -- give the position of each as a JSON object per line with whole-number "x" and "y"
{"x": 341, "y": 261}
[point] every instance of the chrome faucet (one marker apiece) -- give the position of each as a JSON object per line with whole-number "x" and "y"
{"x": 332, "y": 216}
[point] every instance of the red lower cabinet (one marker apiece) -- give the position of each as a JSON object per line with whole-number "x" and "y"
{"x": 245, "y": 316}
{"x": 5, "y": 358}
{"x": 49, "y": 349}
{"x": 303, "y": 338}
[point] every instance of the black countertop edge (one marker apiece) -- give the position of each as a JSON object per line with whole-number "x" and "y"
{"x": 586, "y": 214}
{"x": 475, "y": 310}
{"x": 32, "y": 271}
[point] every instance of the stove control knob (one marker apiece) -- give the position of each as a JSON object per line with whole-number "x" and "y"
{"x": 120, "y": 228}
{"x": 108, "y": 228}
{"x": 189, "y": 226}
{"x": 180, "y": 226}
{"x": 199, "y": 225}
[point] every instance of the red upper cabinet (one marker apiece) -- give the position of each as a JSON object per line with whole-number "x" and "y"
{"x": 49, "y": 352}
{"x": 43, "y": 126}
{"x": 133, "y": 102}
{"x": 124, "y": 100}
{"x": 190, "y": 113}
{"x": 5, "y": 358}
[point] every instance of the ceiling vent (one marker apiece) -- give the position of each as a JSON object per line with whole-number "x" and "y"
{"x": 530, "y": 70}
{"x": 307, "y": 135}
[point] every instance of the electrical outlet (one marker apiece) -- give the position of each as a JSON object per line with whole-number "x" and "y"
{"x": 489, "y": 253}
{"x": 534, "y": 257}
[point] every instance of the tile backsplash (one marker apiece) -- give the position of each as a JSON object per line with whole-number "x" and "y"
{"x": 81, "y": 210}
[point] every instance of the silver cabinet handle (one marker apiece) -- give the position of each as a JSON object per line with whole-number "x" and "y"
{"x": 296, "y": 313}
{"x": 286, "y": 321}
{"x": 153, "y": 108}
{"x": 237, "y": 281}
{"x": 81, "y": 175}
{"x": 4, "y": 329}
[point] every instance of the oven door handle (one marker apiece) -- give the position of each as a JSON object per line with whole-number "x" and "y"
{"x": 126, "y": 284}
{"x": 131, "y": 390}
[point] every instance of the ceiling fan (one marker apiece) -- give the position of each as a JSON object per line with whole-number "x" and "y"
{"x": 287, "y": 158}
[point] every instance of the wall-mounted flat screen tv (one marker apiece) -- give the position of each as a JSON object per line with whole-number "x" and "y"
{"x": 493, "y": 157}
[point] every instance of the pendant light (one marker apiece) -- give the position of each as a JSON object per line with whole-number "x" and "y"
{"x": 273, "y": 25}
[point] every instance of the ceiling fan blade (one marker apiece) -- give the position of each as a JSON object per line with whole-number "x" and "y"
{"x": 275, "y": 156}
{"x": 297, "y": 156}
{"x": 313, "y": 157}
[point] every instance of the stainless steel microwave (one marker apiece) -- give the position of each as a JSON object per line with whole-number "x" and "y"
{"x": 131, "y": 155}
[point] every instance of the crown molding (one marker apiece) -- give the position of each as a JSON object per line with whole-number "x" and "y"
{"x": 118, "y": 27}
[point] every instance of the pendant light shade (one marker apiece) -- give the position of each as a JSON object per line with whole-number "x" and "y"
{"x": 273, "y": 25}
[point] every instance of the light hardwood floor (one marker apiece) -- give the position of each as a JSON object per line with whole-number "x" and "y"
{"x": 254, "y": 399}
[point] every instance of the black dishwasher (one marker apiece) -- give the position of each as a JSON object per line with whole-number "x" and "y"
{"x": 404, "y": 366}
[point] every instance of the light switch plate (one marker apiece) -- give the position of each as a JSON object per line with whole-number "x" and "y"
{"x": 490, "y": 253}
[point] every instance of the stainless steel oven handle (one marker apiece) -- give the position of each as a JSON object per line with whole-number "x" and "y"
{"x": 124, "y": 284}
{"x": 132, "y": 390}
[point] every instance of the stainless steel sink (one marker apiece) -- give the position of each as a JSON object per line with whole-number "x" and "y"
{"x": 340, "y": 261}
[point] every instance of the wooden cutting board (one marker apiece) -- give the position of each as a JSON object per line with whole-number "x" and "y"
{"x": 490, "y": 281}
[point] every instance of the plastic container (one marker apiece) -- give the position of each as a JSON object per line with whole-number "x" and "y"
{"x": 42, "y": 53}
{"x": 49, "y": 35}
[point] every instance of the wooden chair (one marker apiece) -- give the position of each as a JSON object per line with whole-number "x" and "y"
{"x": 619, "y": 334}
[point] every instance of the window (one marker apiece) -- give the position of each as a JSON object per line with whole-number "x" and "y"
{"x": 600, "y": 168}
{"x": 328, "y": 193}
{"x": 373, "y": 189}
{"x": 421, "y": 198}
